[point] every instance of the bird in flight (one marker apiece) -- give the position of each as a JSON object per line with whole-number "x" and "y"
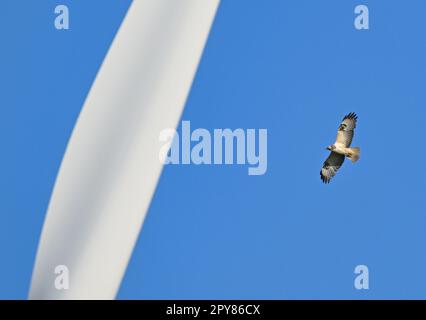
{"x": 341, "y": 148}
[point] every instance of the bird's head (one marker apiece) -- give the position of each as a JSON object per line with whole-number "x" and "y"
{"x": 331, "y": 148}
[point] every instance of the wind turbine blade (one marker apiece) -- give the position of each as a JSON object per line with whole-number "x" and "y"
{"x": 111, "y": 166}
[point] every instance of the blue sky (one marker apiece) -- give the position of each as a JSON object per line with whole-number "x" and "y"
{"x": 293, "y": 67}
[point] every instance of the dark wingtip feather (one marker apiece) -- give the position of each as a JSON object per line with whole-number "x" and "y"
{"x": 324, "y": 178}
{"x": 351, "y": 115}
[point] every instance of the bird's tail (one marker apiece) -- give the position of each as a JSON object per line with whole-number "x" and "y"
{"x": 353, "y": 153}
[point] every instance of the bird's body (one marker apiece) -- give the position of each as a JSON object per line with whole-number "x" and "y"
{"x": 349, "y": 152}
{"x": 341, "y": 148}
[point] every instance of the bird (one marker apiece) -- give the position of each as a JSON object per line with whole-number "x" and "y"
{"x": 341, "y": 148}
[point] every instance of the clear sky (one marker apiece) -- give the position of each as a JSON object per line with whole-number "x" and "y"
{"x": 292, "y": 67}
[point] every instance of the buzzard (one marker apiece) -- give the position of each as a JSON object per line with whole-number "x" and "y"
{"x": 341, "y": 148}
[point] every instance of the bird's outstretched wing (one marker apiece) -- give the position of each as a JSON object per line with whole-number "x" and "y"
{"x": 330, "y": 166}
{"x": 345, "y": 133}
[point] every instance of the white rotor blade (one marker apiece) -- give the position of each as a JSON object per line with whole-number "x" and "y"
{"x": 111, "y": 166}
